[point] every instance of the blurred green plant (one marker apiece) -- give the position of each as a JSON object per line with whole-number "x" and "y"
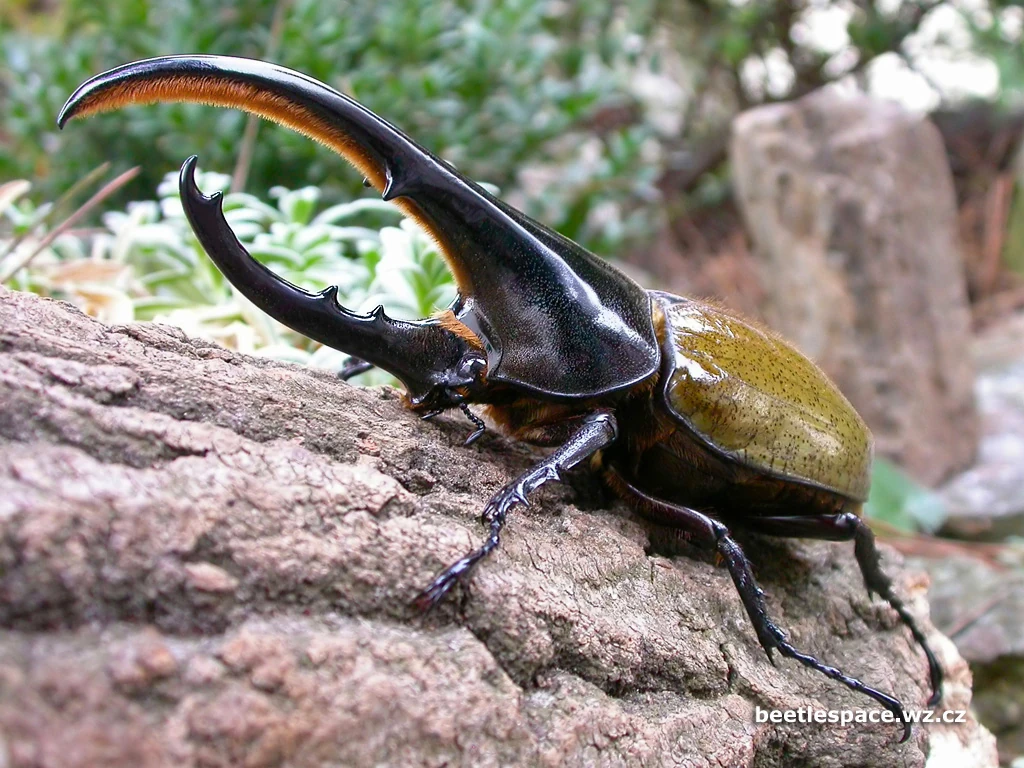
{"x": 901, "y": 502}
{"x": 487, "y": 84}
{"x": 144, "y": 263}
{"x": 997, "y": 36}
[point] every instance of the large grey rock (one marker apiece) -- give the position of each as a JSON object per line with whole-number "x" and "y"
{"x": 978, "y": 604}
{"x": 207, "y": 560}
{"x": 981, "y": 607}
{"x": 850, "y": 205}
{"x": 986, "y": 501}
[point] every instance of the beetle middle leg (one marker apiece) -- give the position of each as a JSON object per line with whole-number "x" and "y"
{"x": 353, "y": 366}
{"x": 592, "y": 432}
{"x": 713, "y": 534}
{"x": 846, "y": 527}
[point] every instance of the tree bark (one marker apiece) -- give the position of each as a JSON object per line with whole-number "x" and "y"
{"x": 208, "y": 559}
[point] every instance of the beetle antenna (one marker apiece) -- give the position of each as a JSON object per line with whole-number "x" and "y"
{"x": 480, "y": 426}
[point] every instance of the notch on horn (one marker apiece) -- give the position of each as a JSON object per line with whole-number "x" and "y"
{"x": 428, "y": 358}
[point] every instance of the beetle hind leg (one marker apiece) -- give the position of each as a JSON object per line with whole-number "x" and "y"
{"x": 876, "y": 580}
{"x": 846, "y": 527}
{"x": 713, "y": 534}
{"x": 590, "y": 434}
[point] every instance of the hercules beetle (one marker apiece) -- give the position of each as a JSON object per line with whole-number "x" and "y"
{"x": 698, "y": 418}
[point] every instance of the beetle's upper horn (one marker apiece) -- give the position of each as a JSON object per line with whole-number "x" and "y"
{"x": 531, "y": 289}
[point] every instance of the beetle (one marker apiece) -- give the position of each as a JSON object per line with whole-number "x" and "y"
{"x": 701, "y": 420}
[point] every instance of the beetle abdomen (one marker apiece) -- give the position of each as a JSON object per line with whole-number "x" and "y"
{"x": 753, "y": 398}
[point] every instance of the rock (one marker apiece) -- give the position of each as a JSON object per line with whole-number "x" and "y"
{"x": 981, "y": 608}
{"x": 986, "y": 501}
{"x": 208, "y": 559}
{"x": 979, "y": 605}
{"x": 850, "y": 205}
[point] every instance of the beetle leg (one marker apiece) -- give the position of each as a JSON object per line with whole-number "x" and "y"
{"x": 353, "y": 367}
{"x": 597, "y": 430}
{"x": 714, "y": 535}
{"x": 845, "y": 527}
{"x": 481, "y": 427}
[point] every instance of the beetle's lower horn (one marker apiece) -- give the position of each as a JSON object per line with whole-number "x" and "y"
{"x": 422, "y": 354}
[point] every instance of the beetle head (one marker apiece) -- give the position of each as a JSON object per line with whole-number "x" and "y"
{"x": 548, "y": 316}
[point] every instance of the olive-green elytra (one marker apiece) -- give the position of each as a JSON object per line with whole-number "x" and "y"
{"x": 756, "y": 399}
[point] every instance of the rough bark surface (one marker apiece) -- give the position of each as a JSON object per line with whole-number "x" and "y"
{"x": 208, "y": 559}
{"x": 851, "y": 208}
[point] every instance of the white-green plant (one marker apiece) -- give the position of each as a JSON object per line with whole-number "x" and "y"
{"x": 144, "y": 263}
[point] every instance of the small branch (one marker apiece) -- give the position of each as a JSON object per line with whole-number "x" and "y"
{"x": 252, "y": 124}
{"x": 104, "y": 192}
{"x": 921, "y": 545}
{"x": 965, "y": 622}
{"x": 86, "y": 181}
{"x": 997, "y": 211}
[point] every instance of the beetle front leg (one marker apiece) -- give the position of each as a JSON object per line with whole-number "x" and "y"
{"x": 714, "y": 535}
{"x": 597, "y": 430}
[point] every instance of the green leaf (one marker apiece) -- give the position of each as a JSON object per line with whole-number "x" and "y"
{"x": 900, "y": 501}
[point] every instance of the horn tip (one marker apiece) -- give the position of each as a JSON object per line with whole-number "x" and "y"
{"x": 68, "y": 111}
{"x": 188, "y": 187}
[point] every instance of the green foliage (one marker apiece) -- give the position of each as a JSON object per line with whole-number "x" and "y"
{"x": 486, "y": 84}
{"x": 901, "y": 502}
{"x": 145, "y": 263}
{"x": 999, "y": 40}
